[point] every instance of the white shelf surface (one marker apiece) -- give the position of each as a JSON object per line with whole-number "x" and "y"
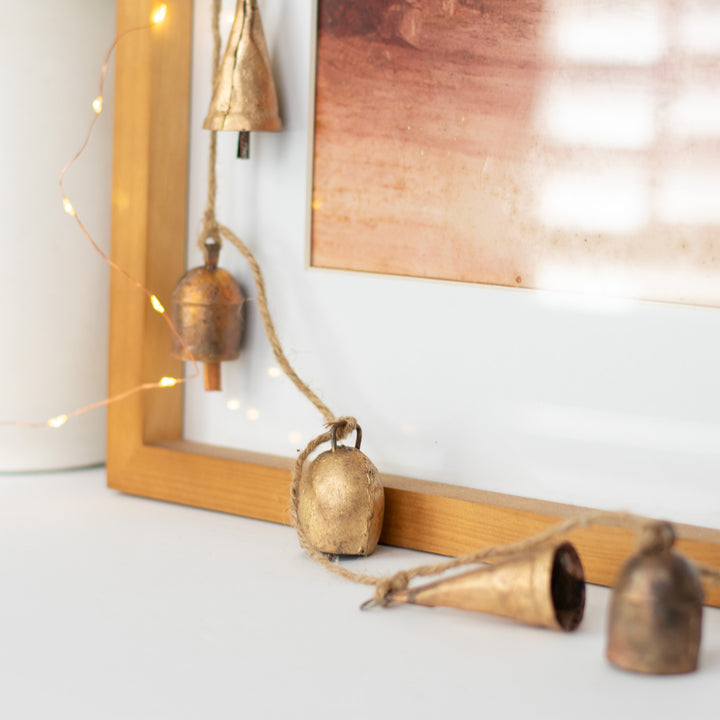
{"x": 121, "y": 607}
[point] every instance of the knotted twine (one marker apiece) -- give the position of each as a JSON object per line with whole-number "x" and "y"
{"x": 650, "y": 535}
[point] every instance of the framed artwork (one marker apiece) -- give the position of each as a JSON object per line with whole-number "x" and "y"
{"x": 150, "y": 452}
{"x": 557, "y": 144}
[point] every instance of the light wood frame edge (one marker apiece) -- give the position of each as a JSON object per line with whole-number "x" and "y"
{"x": 146, "y": 453}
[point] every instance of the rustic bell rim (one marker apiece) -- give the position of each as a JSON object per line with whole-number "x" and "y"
{"x": 240, "y": 122}
{"x": 220, "y": 304}
{"x": 567, "y": 586}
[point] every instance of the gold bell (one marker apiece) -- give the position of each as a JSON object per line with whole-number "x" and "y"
{"x": 207, "y": 313}
{"x": 341, "y": 501}
{"x": 244, "y": 96}
{"x": 655, "y": 619}
{"x": 545, "y": 587}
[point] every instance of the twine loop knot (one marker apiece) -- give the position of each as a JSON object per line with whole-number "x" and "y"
{"x": 385, "y": 587}
{"x": 655, "y": 537}
{"x": 210, "y": 229}
{"x": 342, "y": 426}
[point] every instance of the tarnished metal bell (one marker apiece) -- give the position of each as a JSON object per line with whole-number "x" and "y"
{"x": 207, "y": 313}
{"x": 341, "y": 501}
{"x": 545, "y": 587}
{"x": 655, "y": 621}
{"x": 244, "y": 97}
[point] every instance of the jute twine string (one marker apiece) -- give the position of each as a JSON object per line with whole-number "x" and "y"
{"x": 650, "y": 535}
{"x": 709, "y": 573}
{"x": 210, "y": 229}
{"x": 215, "y": 232}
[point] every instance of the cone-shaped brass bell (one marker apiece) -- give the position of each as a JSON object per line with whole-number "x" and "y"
{"x": 244, "y": 97}
{"x": 341, "y": 501}
{"x": 207, "y": 313}
{"x": 655, "y": 619}
{"x": 545, "y": 587}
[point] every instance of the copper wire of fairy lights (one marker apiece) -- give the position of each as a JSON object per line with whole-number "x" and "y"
{"x": 158, "y": 15}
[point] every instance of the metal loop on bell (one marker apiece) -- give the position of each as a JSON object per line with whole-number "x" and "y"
{"x": 333, "y": 437}
{"x": 374, "y": 602}
{"x": 212, "y": 253}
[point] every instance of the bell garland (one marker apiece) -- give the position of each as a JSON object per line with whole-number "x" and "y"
{"x": 655, "y": 615}
{"x": 337, "y": 508}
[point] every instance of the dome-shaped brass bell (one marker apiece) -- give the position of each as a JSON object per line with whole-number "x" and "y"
{"x": 207, "y": 313}
{"x": 655, "y": 618}
{"x": 341, "y": 501}
{"x": 244, "y": 96}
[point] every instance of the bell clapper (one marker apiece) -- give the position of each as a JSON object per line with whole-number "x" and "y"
{"x": 243, "y": 151}
{"x": 211, "y": 376}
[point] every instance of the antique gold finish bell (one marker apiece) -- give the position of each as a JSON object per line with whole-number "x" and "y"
{"x": 545, "y": 587}
{"x": 655, "y": 619}
{"x": 341, "y": 501}
{"x": 207, "y": 313}
{"x": 244, "y": 97}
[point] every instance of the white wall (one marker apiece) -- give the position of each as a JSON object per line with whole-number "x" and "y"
{"x": 53, "y": 287}
{"x": 569, "y": 398}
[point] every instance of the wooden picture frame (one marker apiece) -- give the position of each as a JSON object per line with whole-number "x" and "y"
{"x": 147, "y": 455}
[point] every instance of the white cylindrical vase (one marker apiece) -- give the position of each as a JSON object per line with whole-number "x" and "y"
{"x": 53, "y": 286}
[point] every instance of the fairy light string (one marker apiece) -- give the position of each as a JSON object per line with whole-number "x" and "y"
{"x": 157, "y": 17}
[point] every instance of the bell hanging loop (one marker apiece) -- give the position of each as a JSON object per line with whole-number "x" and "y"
{"x": 333, "y": 437}
{"x": 244, "y": 96}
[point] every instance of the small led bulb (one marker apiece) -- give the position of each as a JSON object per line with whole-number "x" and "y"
{"x": 159, "y": 15}
{"x": 97, "y": 104}
{"x": 167, "y": 382}
{"x": 156, "y": 304}
{"x": 67, "y": 206}
{"x": 58, "y": 421}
